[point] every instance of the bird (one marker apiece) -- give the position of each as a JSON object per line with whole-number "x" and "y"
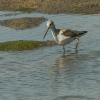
{"x": 64, "y": 36}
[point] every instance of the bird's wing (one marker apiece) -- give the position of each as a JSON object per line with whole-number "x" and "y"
{"x": 68, "y": 32}
{"x": 72, "y": 33}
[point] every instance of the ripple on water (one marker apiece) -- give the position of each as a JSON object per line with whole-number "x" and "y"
{"x": 45, "y": 74}
{"x": 76, "y": 74}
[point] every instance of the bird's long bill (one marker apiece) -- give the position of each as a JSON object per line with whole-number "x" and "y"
{"x": 45, "y": 33}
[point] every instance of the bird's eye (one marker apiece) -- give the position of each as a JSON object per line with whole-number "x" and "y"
{"x": 51, "y": 24}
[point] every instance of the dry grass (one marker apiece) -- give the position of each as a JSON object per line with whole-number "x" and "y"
{"x": 52, "y": 6}
{"x": 22, "y": 23}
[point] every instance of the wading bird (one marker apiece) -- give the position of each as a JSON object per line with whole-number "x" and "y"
{"x": 64, "y": 36}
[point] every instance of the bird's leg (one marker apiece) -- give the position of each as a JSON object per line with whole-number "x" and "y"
{"x": 77, "y": 44}
{"x": 63, "y": 49}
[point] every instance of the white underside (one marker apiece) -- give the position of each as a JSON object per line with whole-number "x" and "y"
{"x": 61, "y": 39}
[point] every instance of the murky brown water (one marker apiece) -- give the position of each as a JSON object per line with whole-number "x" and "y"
{"x": 45, "y": 74}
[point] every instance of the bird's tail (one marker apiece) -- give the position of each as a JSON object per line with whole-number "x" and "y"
{"x": 82, "y": 33}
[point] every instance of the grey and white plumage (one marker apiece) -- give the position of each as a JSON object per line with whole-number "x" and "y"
{"x": 64, "y": 36}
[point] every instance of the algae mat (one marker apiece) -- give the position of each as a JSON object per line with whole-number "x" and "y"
{"x": 24, "y": 45}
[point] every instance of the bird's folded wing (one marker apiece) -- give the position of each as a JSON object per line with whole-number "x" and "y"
{"x": 70, "y": 33}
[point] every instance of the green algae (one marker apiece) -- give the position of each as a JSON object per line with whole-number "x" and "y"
{"x": 20, "y": 45}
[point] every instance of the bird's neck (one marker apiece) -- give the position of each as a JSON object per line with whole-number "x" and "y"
{"x": 54, "y": 33}
{"x": 53, "y": 29}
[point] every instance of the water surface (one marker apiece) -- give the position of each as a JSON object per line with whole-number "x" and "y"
{"x": 45, "y": 74}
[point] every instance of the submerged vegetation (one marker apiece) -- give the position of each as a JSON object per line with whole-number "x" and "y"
{"x": 22, "y": 23}
{"x": 20, "y": 45}
{"x": 52, "y": 6}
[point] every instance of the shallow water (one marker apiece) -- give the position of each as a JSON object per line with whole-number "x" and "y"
{"x": 45, "y": 74}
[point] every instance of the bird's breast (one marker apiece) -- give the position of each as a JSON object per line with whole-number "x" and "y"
{"x": 64, "y": 39}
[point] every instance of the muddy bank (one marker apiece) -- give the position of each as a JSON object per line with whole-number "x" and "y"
{"x": 22, "y": 23}
{"x": 52, "y": 6}
{"x": 21, "y": 45}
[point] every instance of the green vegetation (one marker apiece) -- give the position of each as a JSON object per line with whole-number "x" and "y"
{"x": 24, "y": 45}
{"x": 52, "y": 6}
{"x": 22, "y": 23}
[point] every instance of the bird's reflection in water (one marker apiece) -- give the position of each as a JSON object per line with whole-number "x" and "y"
{"x": 65, "y": 72}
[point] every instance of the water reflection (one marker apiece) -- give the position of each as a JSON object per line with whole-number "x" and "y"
{"x": 72, "y": 77}
{"x": 69, "y": 75}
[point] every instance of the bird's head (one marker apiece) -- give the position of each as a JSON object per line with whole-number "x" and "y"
{"x": 50, "y": 24}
